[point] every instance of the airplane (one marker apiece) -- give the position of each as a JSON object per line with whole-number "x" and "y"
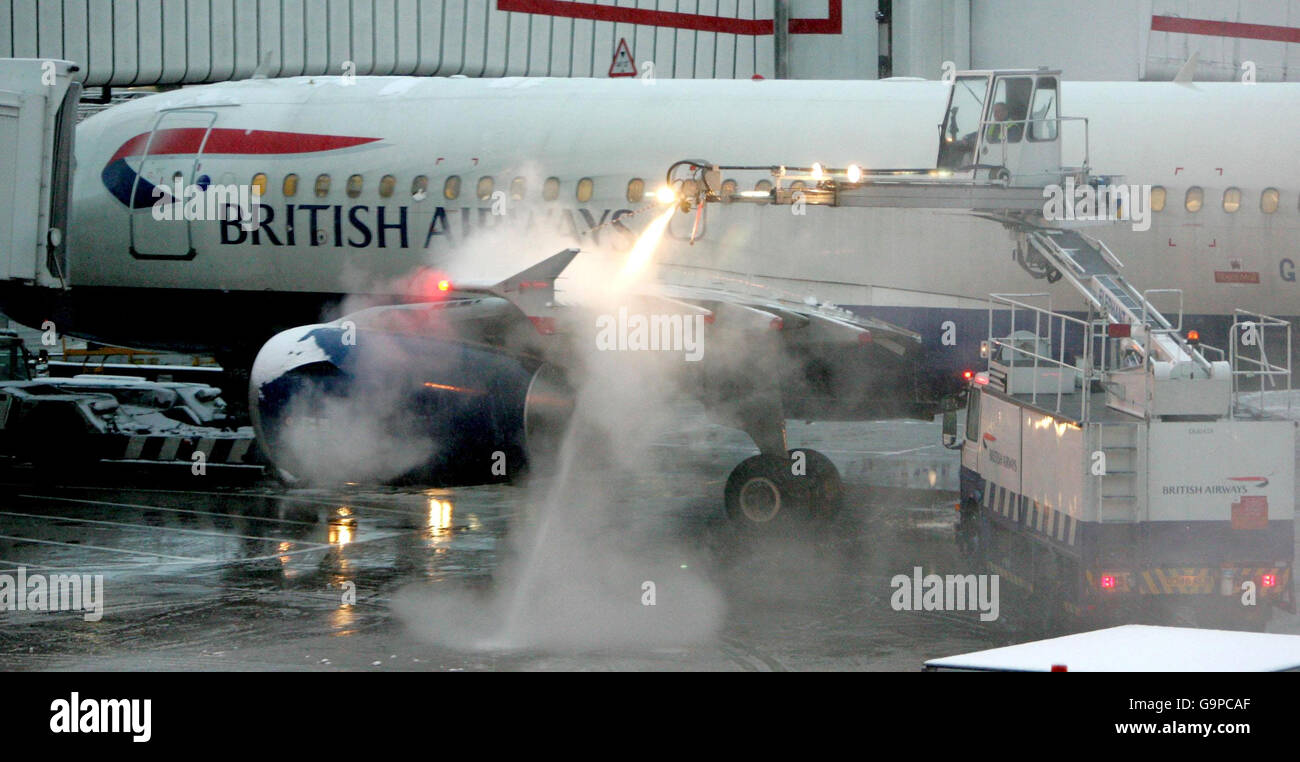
{"x": 367, "y": 180}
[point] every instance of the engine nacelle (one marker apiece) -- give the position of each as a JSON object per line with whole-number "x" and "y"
{"x": 336, "y": 403}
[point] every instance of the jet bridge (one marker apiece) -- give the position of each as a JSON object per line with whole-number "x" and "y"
{"x": 38, "y": 111}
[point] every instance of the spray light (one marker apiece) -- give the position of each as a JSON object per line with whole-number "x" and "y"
{"x": 855, "y": 173}
{"x": 666, "y": 195}
{"x": 642, "y": 252}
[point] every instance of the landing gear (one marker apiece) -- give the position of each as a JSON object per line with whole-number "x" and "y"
{"x": 760, "y": 490}
{"x": 778, "y": 485}
{"x": 825, "y": 490}
{"x": 765, "y": 490}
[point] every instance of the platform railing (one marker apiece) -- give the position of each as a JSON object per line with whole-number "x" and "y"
{"x": 1017, "y": 310}
{"x": 1252, "y": 330}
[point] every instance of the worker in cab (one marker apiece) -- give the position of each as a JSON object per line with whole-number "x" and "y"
{"x": 1000, "y": 126}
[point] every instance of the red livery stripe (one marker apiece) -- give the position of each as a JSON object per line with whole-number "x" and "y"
{"x": 187, "y": 140}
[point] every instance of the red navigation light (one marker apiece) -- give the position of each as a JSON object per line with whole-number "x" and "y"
{"x": 1059, "y": 668}
{"x": 1268, "y": 580}
{"x": 1108, "y": 582}
{"x": 1193, "y": 335}
{"x": 1119, "y": 330}
{"x": 967, "y": 374}
{"x": 444, "y": 285}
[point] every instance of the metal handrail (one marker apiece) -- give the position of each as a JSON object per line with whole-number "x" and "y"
{"x": 1024, "y": 122}
{"x": 997, "y": 343}
{"x": 1260, "y": 367}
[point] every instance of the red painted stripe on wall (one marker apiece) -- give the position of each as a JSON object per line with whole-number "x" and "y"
{"x": 832, "y": 24}
{"x": 1225, "y": 29}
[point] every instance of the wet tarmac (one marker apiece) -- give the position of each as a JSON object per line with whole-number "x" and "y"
{"x": 265, "y": 577}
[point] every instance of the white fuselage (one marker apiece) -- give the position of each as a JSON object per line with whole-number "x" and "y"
{"x": 1214, "y": 136}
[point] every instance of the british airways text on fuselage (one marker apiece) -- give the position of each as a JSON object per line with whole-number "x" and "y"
{"x": 381, "y": 226}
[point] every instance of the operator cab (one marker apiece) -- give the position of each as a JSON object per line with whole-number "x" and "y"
{"x": 1005, "y": 125}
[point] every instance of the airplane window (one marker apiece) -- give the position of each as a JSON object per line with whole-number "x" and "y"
{"x": 517, "y": 189}
{"x": 485, "y": 186}
{"x": 551, "y": 189}
{"x": 419, "y": 187}
{"x": 386, "y": 185}
{"x": 585, "y": 189}
{"x": 1158, "y": 198}
{"x": 763, "y": 185}
{"x": 797, "y": 185}
{"x": 354, "y": 186}
{"x": 635, "y": 190}
{"x": 1195, "y": 197}
{"x": 259, "y": 183}
{"x": 451, "y": 188}
{"x": 729, "y": 188}
{"x": 322, "y": 186}
{"x": 1232, "y": 200}
{"x": 290, "y": 186}
{"x": 1268, "y": 200}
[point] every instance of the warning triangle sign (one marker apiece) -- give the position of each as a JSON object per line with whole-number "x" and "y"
{"x": 623, "y": 65}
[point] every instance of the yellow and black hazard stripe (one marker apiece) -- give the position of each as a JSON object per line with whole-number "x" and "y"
{"x": 1031, "y": 515}
{"x": 225, "y": 450}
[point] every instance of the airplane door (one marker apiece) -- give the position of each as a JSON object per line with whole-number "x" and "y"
{"x": 171, "y": 156}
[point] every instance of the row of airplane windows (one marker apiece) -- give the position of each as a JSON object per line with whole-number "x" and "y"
{"x": 1269, "y": 199}
{"x": 1194, "y": 200}
{"x": 451, "y": 187}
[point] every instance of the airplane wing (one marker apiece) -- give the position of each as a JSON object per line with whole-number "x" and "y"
{"x": 489, "y": 365}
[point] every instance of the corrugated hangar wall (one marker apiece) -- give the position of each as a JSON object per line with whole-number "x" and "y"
{"x": 145, "y": 42}
{"x": 138, "y": 42}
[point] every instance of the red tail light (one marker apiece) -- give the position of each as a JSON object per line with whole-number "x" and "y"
{"x": 1268, "y": 580}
